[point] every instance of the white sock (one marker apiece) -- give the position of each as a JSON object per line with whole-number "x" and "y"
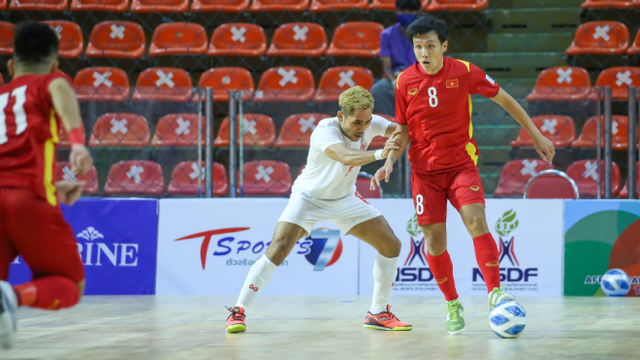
{"x": 384, "y": 274}
{"x": 257, "y": 278}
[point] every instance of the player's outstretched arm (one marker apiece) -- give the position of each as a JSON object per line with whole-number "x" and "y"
{"x": 350, "y": 157}
{"x": 543, "y": 146}
{"x": 398, "y": 133}
{"x": 66, "y": 105}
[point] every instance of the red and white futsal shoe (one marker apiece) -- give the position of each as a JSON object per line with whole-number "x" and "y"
{"x": 235, "y": 321}
{"x": 385, "y": 321}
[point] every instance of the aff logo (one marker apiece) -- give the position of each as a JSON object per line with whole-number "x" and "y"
{"x": 96, "y": 253}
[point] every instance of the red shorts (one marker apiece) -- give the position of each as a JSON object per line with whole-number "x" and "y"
{"x": 431, "y": 192}
{"x": 32, "y": 228}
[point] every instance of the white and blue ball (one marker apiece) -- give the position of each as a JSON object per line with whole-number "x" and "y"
{"x": 508, "y": 319}
{"x": 615, "y": 283}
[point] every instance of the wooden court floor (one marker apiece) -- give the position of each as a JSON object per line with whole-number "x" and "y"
{"x": 326, "y": 327}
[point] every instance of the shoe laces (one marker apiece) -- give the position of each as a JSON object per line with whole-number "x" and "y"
{"x": 453, "y": 310}
{"x": 235, "y": 314}
{"x": 389, "y": 314}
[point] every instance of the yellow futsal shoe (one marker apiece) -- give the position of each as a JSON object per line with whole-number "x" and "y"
{"x": 235, "y": 321}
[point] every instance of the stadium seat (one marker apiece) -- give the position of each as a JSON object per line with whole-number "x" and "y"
{"x": 69, "y": 36}
{"x": 455, "y": 5}
{"x": 379, "y": 141}
{"x": 585, "y": 174}
{"x": 337, "y": 5}
{"x": 296, "y": 130}
{"x": 1, "y": 80}
{"x": 589, "y": 136}
{"x": 600, "y": 38}
{"x": 564, "y": 83}
{"x": 358, "y": 38}
{"x": 39, "y": 5}
{"x": 223, "y": 79}
{"x": 159, "y": 6}
{"x": 608, "y": 4}
{"x": 363, "y": 187}
{"x": 561, "y": 130}
{"x": 102, "y": 84}
{"x": 238, "y": 39}
{"x": 338, "y": 79}
{"x": 552, "y": 184}
{"x": 178, "y": 38}
{"x": 63, "y": 137}
{"x": 224, "y": 6}
{"x": 286, "y": 84}
{"x": 259, "y": 131}
{"x": 135, "y": 177}
{"x": 64, "y": 172}
{"x": 383, "y": 5}
{"x": 624, "y": 193}
{"x": 266, "y": 177}
{"x": 114, "y": 6}
{"x": 298, "y": 39}
{"x": 164, "y": 84}
{"x": 120, "y": 129}
{"x": 7, "y": 31}
{"x": 619, "y": 78}
{"x": 516, "y": 173}
{"x": 634, "y": 49}
{"x": 184, "y": 179}
{"x": 116, "y": 39}
{"x": 279, "y": 5}
{"x": 177, "y": 130}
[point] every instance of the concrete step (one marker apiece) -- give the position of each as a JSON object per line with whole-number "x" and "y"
{"x": 517, "y": 65}
{"x": 529, "y": 42}
{"x": 521, "y": 4}
{"x": 495, "y": 135}
{"x": 535, "y": 20}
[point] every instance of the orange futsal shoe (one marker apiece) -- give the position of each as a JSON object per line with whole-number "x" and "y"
{"x": 385, "y": 321}
{"x": 235, "y": 321}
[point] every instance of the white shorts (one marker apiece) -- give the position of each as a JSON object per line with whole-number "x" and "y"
{"x": 345, "y": 213}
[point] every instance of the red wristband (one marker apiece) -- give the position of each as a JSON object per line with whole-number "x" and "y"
{"x": 76, "y": 136}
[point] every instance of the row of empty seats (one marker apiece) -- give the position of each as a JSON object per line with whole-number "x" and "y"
{"x": 611, "y": 4}
{"x": 234, "y": 6}
{"x": 286, "y": 83}
{"x": 603, "y": 38}
{"x": 181, "y": 130}
{"x": 568, "y": 83}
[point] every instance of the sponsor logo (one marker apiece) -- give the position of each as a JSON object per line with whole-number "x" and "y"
{"x": 361, "y": 197}
{"x": 493, "y": 264}
{"x": 414, "y": 274}
{"x": 412, "y": 92}
{"x": 474, "y": 187}
{"x": 441, "y": 281}
{"x": 453, "y": 83}
{"x": 94, "y": 252}
{"x": 254, "y": 288}
{"x": 326, "y": 248}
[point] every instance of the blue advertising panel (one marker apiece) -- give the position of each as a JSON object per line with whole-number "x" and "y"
{"x": 117, "y": 241}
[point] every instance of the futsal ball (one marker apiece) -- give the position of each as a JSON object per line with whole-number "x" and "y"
{"x": 508, "y": 319}
{"x": 615, "y": 283}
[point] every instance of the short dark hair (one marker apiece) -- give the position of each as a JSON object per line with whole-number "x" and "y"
{"x": 425, "y": 24}
{"x": 408, "y": 5}
{"x": 34, "y": 43}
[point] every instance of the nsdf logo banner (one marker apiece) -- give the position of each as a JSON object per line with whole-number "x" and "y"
{"x": 117, "y": 242}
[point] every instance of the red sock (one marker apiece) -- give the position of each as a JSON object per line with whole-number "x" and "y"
{"x": 442, "y": 270}
{"x": 49, "y": 293}
{"x": 487, "y": 258}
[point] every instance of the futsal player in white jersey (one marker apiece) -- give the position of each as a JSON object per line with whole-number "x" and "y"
{"x": 326, "y": 190}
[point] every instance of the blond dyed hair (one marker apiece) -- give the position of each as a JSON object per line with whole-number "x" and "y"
{"x": 355, "y": 98}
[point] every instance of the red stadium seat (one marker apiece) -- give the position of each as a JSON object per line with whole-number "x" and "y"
{"x": 267, "y": 177}
{"x": 120, "y": 129}
{"x": 296, "y": 130}
{"x": 69, "y": 36}
{"x": 259, "y": 131}
{"x": 116, "y": 39}
{"x": 1, "y": 80}
{"x": 102, "y": 84}
{"x": 298, "y": 39}
{"x": 585, "y": 174}
{"x": 7, "y": 31}
{"x": 225, "y": 6}
{"x": 177, "y": 130}
{"x": 516, "y": 173}
{"x": 178, "y": 38}
{"x": 383, "y": 5}
{"x": 589, "y": 136}
{"x": 163, "y": 84}
{"x": 551, "y": 184}
{"x": 223, "y": 79}
{"x": 338, "y": 79}
{"x": 64, "y": 172}
{"x": 619, "y": 78}
{"x": 286, "y": 84}
{"x": 39, "y": 5}
{"x": 115, "y": 6}
{"x": 184, "y": 179}
{"x": 279, "y": 5}
{"x": 624, "y": 193}
{"x": 135, "y": 177}
{"x": 63, "y": 137}
{"x": 564, "y": 83}
{"x": 634, "y": 49}
{"x": 561, "y": 130}
{"x": 239, "y": 39}
{"x": 455, "y": 5}
{"x": 379, "y": 141}
{"x": 358, "y": 38}
{"x": 363, "y": 187}
{"x": 159, "y": 6}
{"x": 600, "y": 38}
{"x": 337, "y": 5}
{"x": 608, "y": 4}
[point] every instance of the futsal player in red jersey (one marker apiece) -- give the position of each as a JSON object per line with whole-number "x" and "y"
{"x": 433, "y": 107}
{"x": 33, "y": 107}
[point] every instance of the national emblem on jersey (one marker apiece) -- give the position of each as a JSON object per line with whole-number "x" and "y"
{"x": 453, "y": 83}
{"x": 413, "y": 91}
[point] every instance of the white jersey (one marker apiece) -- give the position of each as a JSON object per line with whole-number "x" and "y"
{"x": 327, "y": 179}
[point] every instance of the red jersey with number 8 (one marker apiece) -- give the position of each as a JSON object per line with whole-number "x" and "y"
{"x": 437, "y": 111}
{"x": 29, "y": 134}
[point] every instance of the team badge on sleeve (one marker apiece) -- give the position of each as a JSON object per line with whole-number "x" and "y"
{"x": 413, "y": 91}
{"x": 489, "y": 79}
{"x": 453, "y": 83}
